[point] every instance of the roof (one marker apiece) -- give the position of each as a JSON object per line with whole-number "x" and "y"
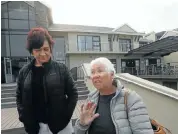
{"x": 80, "y": 28}
{"x": 31, "y": 3}
{"x": 160, "y": 34}
{"x": 90, "y": 29}
{"x": 169, "y": 33}
{"x": 145, "y": 40}
{"x": 175, "y": 29}
{"x": 125, "y": 28}
{"x": 161, "y": 47}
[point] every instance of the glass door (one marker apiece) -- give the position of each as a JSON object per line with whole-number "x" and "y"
{"x": 8, "y": 70}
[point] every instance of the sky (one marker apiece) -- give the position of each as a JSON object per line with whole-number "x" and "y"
{"x": 141, "y": 15}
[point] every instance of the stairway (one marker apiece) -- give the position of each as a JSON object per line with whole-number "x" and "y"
{"x": 8, "y": 92}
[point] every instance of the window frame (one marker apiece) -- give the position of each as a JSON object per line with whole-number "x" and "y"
{"x": 85, "y": 42}
{"x": 127, "y": 46}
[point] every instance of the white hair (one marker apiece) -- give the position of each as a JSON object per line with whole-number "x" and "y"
{"x": 104, "y": 61}
{"x": 109, "y": 67}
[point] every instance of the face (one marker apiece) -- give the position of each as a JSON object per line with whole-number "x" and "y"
{"x": 100, "y": 77}
{"x": 42, "y": 54}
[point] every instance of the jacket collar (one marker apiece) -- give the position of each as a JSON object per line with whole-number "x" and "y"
{"x": 94, "y": 96}
{"x": 45, "y": 65}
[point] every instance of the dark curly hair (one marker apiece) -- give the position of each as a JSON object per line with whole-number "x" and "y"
{"x": 36, "y": 38}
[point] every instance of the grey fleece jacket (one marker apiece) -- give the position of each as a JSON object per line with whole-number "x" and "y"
{"x": 138, "y": 120}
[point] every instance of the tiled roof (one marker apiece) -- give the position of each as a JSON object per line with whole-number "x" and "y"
{"x": 79, "y": 28}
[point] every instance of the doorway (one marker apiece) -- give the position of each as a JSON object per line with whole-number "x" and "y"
{"x": 8, "y": 70}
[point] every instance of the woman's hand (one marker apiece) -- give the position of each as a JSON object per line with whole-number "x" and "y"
{"x": 87, "y": 114}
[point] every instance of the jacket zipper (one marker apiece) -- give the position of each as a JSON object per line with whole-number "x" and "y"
{"x": 45, "y": 93}
{"x": 45, "y": 96}
{"x": 112, "y": 117}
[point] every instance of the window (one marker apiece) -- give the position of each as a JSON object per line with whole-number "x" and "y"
{"x": 19, "y": 32}
{"x": 110, "y": 44}
{"x": 32, "y": 24}
{"x": 18, "y": 10}
{"x": 113, "y": 61}
{"x": 18, "y": 24}
{"x": 4, "y": 13}
{"x": 124, "y": 45}
{"x": 5, "y": 51}
{"x": 59, "y": 49}
{"x": 4, "y": 23}
{"x": 31, "y": 13}
{"x": 18, "y": 41}
{"x": 88, "y": 43}
{"x": 96, "y": 43}
{"x": 81, "y": 43}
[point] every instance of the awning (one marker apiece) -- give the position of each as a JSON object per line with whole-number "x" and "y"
{"x": 161, "y": 47}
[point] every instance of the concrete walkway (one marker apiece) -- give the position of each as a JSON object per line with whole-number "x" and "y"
{"x": 10, "y": 122}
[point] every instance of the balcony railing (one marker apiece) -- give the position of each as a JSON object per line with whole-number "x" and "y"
{"x": 102, "y": 47}
{"x": 152, "y": 70}
{"x": 77, "y": 73}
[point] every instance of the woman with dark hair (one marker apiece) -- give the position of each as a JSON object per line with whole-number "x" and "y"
{"x": 46, "y": 94}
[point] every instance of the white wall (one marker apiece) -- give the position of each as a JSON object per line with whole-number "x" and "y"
{"x": 72, "y": 39}
{"x": 151, "y": 36}
{"x": 77, "y": 59}
{"x": 161, "y": 102}
{"x": 173, "y": 57}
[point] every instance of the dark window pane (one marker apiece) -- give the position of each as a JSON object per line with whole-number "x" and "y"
{"x": 4, "y": 23}
{"x": 4, "y": 13}
{"x": 18, "y": 32}
{"x": 4, "y": 32}
{"x": 32, "y": 24}
{"x": 96, "y": 48}
{"x": 89, "y": 43}
{"x": 59, "y": 49}
{"x": 96, "y": 38}
{"x": 96, "y": 44}
{"x": 18, "y": 24}
{"x": 5, "y": 51}
{"x": 18, "y": 10}
{"x": 18, "y": 45}
{"x": 31, "y": 13}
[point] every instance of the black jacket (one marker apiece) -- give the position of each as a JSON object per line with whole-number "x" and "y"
{"x": 60, "y": 97}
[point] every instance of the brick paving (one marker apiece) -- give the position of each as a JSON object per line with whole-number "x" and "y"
{"x": 9, "y": 117}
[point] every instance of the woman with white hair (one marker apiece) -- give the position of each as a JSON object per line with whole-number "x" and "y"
{"x": 105, "y": 112}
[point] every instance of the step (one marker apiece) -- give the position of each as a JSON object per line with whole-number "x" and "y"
{"x": 9, "y": 86}
{"x": 6, "y": 95}
{"x": 21, "y": 130}
{"x": 9, "y": 99}
{"x": 82, "y": 88}
{"x": 85, "y": 92}
{"x": 8, "y": 105}
{"x": 8, "y": 91}
{"x": 80, "y": 84}
{"x": 82, "y": 97}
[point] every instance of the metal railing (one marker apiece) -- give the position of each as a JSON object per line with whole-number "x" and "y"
{"x": 152, "y": 70}
{"x": 93, "y": 48}
{"x": 77, "y": 73}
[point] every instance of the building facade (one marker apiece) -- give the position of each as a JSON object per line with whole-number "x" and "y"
{"x": 74, "y": 44}
{"x": 17, "y": 18}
